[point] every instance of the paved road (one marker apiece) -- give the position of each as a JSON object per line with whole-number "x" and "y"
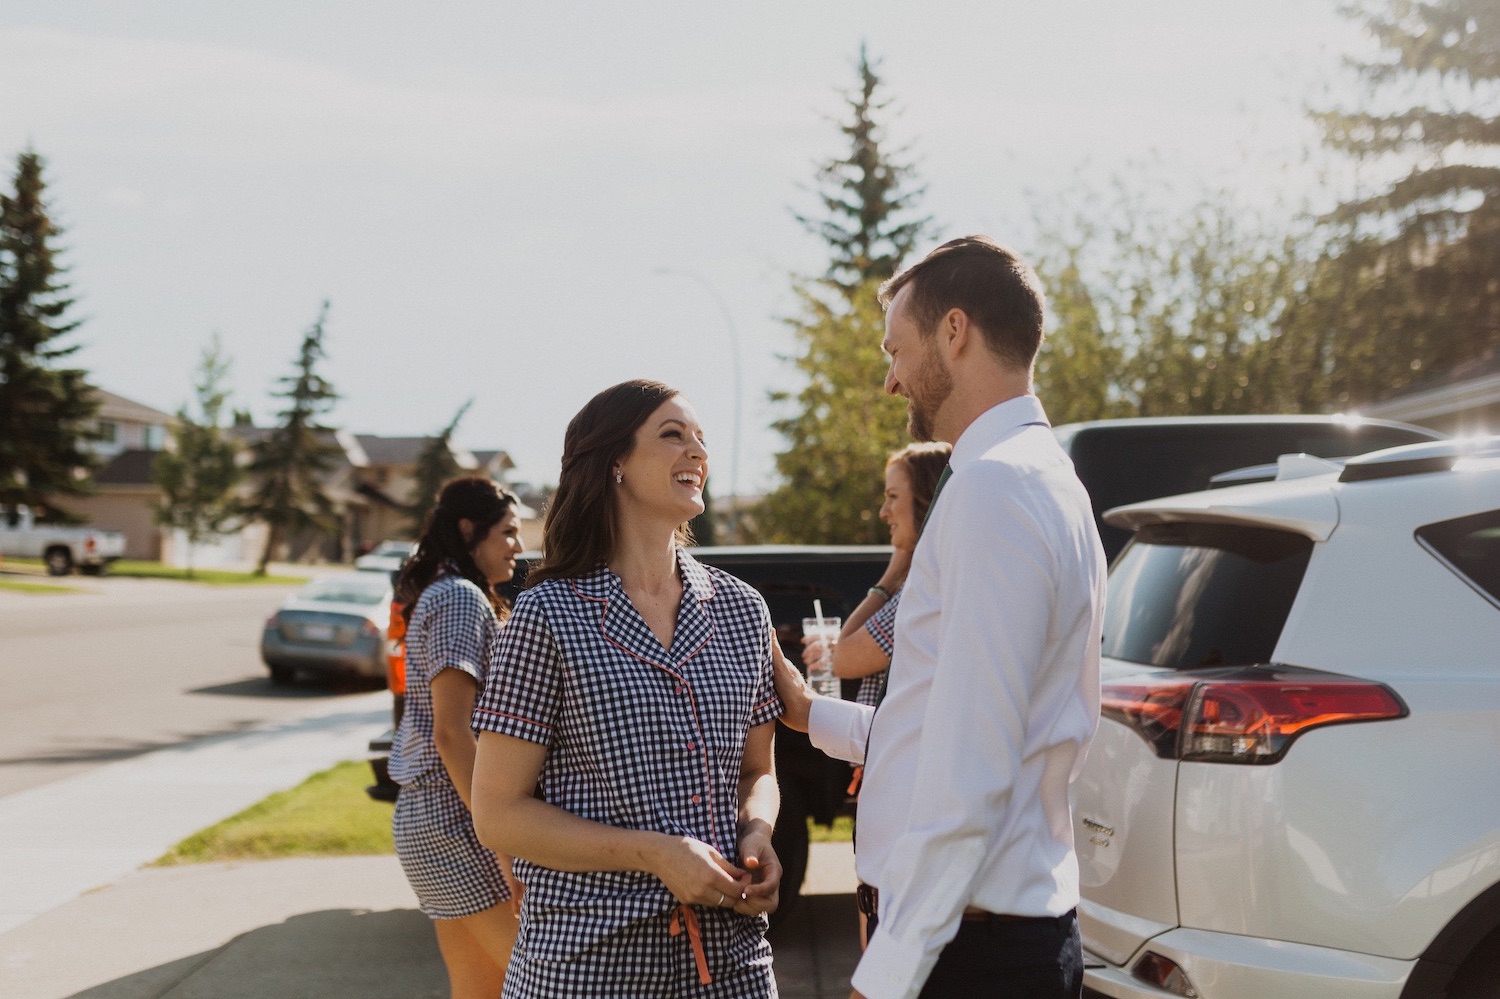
{"x": 129, "y": 666}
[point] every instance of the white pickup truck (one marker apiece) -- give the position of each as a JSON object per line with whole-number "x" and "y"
{"x": 60, "y": 546}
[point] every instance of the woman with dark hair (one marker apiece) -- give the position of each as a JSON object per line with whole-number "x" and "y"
{"x": 469, "y": 543}
{"x": 863, "y": 648}
{"x": 625, "y": 744}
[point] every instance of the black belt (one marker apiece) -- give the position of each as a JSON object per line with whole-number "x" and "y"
{"x": 867, "y": 897}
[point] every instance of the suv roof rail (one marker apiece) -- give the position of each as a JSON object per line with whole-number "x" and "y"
{"x": 1418, "y": 459}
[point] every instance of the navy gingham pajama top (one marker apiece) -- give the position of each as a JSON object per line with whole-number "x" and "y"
{"x": 638, "y": 737}
{"x": 882, "y": 627}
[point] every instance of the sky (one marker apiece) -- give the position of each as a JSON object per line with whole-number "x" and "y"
{"x": 525, "y": 204}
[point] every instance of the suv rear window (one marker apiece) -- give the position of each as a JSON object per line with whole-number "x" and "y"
{"x": 1192, "y": 595}
{"x": 1470, "y": 546}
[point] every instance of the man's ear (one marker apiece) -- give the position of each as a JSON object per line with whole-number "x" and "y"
{"x": 466, "y": 530}
{"x": 957, "y": 332}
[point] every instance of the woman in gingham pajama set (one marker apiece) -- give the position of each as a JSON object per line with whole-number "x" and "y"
{"x": 469, "y": 543}
{"x": 863, "y": 649}
{"x": 626, "y": 730}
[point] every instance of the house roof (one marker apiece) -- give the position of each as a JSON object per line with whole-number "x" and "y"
{"x": 494, "y": 459}
{"x": 131, "y": 467}
{"x": 406, "y": 450}
{"x": 117, "y": 407}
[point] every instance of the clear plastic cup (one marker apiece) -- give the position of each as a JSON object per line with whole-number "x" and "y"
{"x": 826, "y": 631}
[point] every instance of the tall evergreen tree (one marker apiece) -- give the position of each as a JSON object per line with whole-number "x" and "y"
{"x": 435, "y": 466}
{"x": 198, "y": 476}
{"x": 288, "y": 465}
{"x": 867, "y": 194}
{"x": 45, "y": 407}
{"x": 1410, "y": 285}
{"x": 842, "y": 426}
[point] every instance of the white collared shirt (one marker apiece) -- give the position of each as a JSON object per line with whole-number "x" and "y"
{"x": 993, "y": 699}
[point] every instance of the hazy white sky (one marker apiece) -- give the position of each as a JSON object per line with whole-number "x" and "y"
{"x": 485, "y": 191}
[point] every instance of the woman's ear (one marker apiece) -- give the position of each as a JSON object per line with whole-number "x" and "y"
{"x": 466, "y": 529}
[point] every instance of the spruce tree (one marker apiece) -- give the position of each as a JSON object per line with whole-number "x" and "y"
{"x": 867, "y": 194}
{"x": 289, "y": 464}
{"x": 1410, "y": 285}
{"x": 198, "y": 476}
{"x": 842, "y": 426}
{"x": 46, "y": 408}
{"x": 435, "y": 466}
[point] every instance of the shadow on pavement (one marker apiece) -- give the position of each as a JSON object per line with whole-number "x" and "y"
{"x": 262, "y": 687}
{"x": 332, "y": 954}
{"x": 816, "y": 948}
{"x": 123, "y": 749}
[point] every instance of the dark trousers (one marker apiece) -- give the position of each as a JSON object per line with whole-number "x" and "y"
{"x": 1024, "y": 959}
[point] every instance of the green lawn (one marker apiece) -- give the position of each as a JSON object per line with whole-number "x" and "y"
{"x": 136, "y": 569}
{"x": 842, "y": 831}
{"x": 18, "y": 586}
{"x": 327, "y": 815}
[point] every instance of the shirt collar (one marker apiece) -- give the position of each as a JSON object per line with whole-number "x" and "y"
{"x": 695, "y": 580}
{"x": 994, "y": 425}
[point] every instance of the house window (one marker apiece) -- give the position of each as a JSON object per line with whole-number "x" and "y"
{"x": 156, "y": 437}
{"x": 109, "y": 432}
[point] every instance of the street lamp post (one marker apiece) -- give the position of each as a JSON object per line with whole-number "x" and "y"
{"x": 734, "y": 353}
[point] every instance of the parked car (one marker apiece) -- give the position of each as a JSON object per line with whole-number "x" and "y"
{"x": 332, "y": 626}
{"x": 387, "y": 557}
{"x": 60, "y": 546}
{"x": 1293, "y": 789}
{"x": 1125, "y": 461}
{"x": 790, "y": 577}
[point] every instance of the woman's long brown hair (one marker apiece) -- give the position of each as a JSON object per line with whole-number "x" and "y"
{"x": 471, "y": 497}
{"x": 578, "y": 532}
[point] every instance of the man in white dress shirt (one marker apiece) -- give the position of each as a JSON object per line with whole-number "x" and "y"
{"x": 965, "y": 839}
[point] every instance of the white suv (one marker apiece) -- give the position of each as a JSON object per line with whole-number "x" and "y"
{"x": 1295, "y": 787}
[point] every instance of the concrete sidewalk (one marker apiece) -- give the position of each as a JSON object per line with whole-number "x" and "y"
{"x": 80, "y": 917}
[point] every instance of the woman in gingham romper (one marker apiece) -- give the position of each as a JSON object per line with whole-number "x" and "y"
{"x": 626, "y": 730}
{"x": 469, "y": 543}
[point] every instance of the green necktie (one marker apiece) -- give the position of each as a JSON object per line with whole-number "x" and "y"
{"x": 942, "y": 481}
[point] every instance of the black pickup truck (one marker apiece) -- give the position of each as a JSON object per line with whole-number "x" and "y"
{"x": 790, "y": 577}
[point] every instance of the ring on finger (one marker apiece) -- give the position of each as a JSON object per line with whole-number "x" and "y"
{"x": 722, "y": 896}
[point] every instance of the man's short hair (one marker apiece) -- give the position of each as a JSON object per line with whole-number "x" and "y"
{"x": 995, "y": 288}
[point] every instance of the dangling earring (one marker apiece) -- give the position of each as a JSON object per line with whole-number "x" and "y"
{"x": 618, "y": 476}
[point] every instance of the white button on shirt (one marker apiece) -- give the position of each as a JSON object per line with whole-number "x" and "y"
{"x": 993, "y": 699}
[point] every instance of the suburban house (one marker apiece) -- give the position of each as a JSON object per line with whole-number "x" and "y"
{"x": 129, "y": 436}
{"x": 388, "y": 484}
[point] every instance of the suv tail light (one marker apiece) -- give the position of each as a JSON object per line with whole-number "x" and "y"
{"x": 90, "y": 543}
{"x": 1244, "y": 715}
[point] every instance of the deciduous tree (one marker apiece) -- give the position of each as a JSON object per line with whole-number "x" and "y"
{"x": 199, "y": 474}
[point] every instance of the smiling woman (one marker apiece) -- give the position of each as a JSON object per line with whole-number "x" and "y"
{"x": 626, "y": 729}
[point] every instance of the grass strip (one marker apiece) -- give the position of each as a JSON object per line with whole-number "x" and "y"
{"x": 16, "y": 586}
{"x": 842, "y": 831}
{"x": 327, "y": 815}
{"x": 138, "y": 569}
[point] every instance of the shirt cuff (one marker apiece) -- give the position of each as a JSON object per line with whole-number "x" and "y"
{"x": 839, "y": 728}
{"x": 891, "y": 968}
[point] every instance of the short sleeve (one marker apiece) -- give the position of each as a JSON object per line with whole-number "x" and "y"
{"x": 882, "y": 625}
{"x": 768, "y": 706}
{"x": 524, "y": 692}
{"x": 455, "y": 628}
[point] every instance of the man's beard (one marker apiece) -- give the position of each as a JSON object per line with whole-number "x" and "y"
{"x": 926, "y": 395}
